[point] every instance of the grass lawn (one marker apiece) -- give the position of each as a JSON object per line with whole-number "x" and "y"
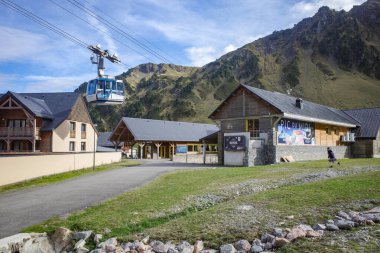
{"x": 66, "y": 175}
{"x": 165, "y": 208}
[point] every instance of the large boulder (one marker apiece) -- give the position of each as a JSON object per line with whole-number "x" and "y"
{"x": 38, "y": 244}
{"x": 243, "y": 245}
{"x": 198, "y": 246}
{"x": 277, "y": 232}
{"x": 267, "y": 238}
{"x": 312, "y": 233}
{"x": 62, "y": 239}
{"x": 331, "y": 227}
{"x": 344, "y": 215}
{"x": 344, "y": 224}
{"x": 24, "y": 242}
{"x": 227, "y": 248}
{"x": 185, "y": 247}
{"x": 280, "y": 242}
{"x": 372, "y": 216}
{"x": 158, "y": 247}
{"x": 14, "y": 243}
{"x": 295, "y": 233}
{"x": 256, "y": 249}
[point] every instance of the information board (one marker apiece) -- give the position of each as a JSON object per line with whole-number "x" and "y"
{"x": 293, "y": 132}
{"x": 234, "y": 143}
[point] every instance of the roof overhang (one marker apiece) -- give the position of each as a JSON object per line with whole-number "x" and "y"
{"x": 311, "y": 119}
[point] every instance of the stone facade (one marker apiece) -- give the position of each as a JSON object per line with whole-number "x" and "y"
{"x": 196, "y": 158}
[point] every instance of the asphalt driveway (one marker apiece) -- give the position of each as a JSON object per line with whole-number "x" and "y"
{"x": 20, "y": 209}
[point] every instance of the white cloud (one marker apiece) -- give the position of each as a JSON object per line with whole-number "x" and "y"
{"x": 19, "y": 45}
{"x": 308, "y": 8}
{"x": 229, "y": 48}
{"x": 200, "y": 56}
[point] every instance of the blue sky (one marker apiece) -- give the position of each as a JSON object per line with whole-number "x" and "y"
{"x": 186, "y": 32}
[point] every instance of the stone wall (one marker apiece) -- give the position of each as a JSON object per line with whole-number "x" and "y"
{"x": 255, "y": 154}
{"x": 195, "y": 158}
{"x": 302, "y": 153}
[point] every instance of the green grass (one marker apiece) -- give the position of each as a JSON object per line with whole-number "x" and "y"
{"x": 162, "y": 209}
{"x": 66, "y": 175}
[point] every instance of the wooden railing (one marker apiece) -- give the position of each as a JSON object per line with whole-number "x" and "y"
{"x": 72, "y": 134}
{"x": 18, "y": 131}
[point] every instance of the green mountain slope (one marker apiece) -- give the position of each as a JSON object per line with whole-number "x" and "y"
{"x": 332, "y": 58}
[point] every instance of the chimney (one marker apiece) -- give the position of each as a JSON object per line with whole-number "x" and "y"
{"x": 299, "y": 103}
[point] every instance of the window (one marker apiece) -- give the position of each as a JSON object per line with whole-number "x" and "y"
{"x": 72, "y": 129}
{"x": 82, "y": 146}
{"x": 253, "y": 127}
{"x": 83, "y": 131}
{"x": 328, "y": 130}
{"x": 16, "y": 123}
{"x": 72, "y": 146}
{"x": 336, "y": 131}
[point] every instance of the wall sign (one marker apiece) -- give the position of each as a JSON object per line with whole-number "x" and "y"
{"x": 234, "y": 143}
{"x": 181, "y": 149}
{"x": 293, "y": 132}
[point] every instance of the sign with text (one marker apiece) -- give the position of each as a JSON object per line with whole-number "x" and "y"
{"x": 234, "y": 143}
{"x": 293, "y": 132}
{"x": 181, "y": 149}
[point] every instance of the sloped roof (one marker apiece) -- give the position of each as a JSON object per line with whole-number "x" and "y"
{"x": 287, "y": 104}
{"x": 54, "y": 107}
{"x": 369, "y": 120}
{"x": 103, "y": 140}
{"x": 162, "y": 130}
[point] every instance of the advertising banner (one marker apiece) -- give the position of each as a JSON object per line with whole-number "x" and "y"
{"x": 293, "y": 132}
{"x": 234, "y": 143}
{"x": 181, "y": 149}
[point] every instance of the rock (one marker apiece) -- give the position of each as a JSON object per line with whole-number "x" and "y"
{"x": 267, "y": 238}
{"x": 185, "y": 247}
{"x": 353, "y": 214}
{"x": 370, "y": 222}
{"x": 277, "y": 232}
{"x": 145, "y": 240}
{"x": 374, "y": 210}
{"x": 256, "y": 242}
{"x": 256, "y": 249}
{"x": 243, "y": 245}
{"x": 172, "y": 250}
{"x": 106, "y": 230}
{"x": 158, "y": 247}
{"x": 295, "y": 233}
{"x": 280, "y": 242}
{"x": 377, "y": 232}
{"x": 290, "y": 217}
{"x": 312, "y": 233}
{"x": 40, "y": 244}
{"x": 305, "y": 227}
{"x": 82, "y": 250}
{"x": 97, "y": 238}
{"x": 319, "y": 227}
{"x": 344, "y": 224}
{"x": 209, "y": 251}
{"x": 344, "y": 215}
{"x": 141, "y": 247}
{"x": 198, "y": 246}
{"x": 61, "y": 239}
{"x": 14, "y": 243}
{"x": 80, "y": 244}
{"x": 268, "y": 246}
{"x": 331, "y": 227}
{"x": 227, "y": 248}
{"x": 98, "y": 251}
{"x": 119, "y": 249}
{"x": 82, "y": 235}
{"x": 329, "y": 222}
{"x": 109, "y": 245}
{"x": 372, "y": 216}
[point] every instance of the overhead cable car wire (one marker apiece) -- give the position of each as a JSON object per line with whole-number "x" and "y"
{"x": 47, "y": 25}
{"x": 43, "y": 22}
{"x": 135, "y": 35}
{"x": 100, "y": 30}
{"x": 118, "y": 30}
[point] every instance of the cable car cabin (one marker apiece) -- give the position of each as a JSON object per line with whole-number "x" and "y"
{"x": 105, "y": 91}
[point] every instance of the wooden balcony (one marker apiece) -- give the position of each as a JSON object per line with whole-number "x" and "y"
{"x": 17, "y": 132}
{"x": 72, "y": 134}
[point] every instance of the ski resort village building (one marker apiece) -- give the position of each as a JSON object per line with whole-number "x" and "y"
{"x": 263, "y": 127}
{"x": 179, "y": 141}
{"x": 45, "y": 122}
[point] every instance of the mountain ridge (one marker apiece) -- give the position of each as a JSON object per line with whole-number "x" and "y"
{"x": 331, "y": 58}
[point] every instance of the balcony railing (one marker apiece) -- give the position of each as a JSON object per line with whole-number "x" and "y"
{"x": 72, "y": 134}
{"x": 83, "y": 135}
{"x": 18, "y": 131}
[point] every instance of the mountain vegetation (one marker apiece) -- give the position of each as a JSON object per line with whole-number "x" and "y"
{"x": 332, "y": 58}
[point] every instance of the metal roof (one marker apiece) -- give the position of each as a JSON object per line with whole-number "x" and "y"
{"x": 103, "y": 140}
{"x": 162, "y": 130}
{"x": 369, "y": 120}
{"x": 53, "y": 107}
{"x": 310, "y": 111}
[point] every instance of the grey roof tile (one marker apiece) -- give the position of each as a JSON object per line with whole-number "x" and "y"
{"x": 162, "y": 130}
{"x": 103, "y": 139}
{"x": 369, "y": 120}
{"x": 287, "y": 104}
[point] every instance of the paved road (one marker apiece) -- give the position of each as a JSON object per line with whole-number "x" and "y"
{"x": 20, "y": 209}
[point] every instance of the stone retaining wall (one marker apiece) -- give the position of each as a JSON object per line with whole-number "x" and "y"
{"x": 196, "y": 158}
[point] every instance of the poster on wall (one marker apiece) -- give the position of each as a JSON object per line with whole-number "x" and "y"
{"x": 181, "y": 149}
{"x": 293, "y": 132}
{"x": 234, "y": 143}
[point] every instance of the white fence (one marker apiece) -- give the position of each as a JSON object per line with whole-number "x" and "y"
{"x": 23, "y": 167}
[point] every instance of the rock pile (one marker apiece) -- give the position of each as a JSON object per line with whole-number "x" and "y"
{"x": 65, "y": 240}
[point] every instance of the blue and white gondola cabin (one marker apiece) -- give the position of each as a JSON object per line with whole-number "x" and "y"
{"x": 105, "y": 90}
